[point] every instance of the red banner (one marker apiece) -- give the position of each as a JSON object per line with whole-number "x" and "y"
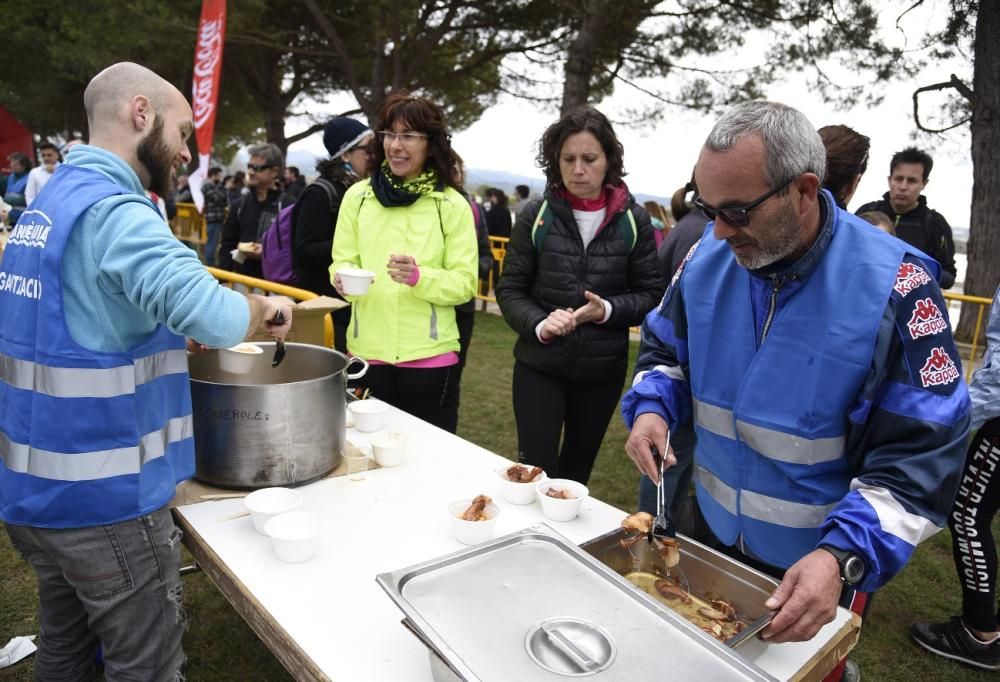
{"x": 205, "y": 91}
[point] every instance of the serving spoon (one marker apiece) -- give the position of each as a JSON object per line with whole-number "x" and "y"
{"x": 279, "y": 347}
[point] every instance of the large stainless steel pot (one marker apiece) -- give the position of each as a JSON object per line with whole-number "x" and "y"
{"x": 270, "y": 426}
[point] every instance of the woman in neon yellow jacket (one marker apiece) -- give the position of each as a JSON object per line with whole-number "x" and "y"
{"x": 409, "y": 225}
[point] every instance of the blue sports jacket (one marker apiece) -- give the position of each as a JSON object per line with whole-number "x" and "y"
{"x": 827, "y": 395}
{"x": 86, "y": 437}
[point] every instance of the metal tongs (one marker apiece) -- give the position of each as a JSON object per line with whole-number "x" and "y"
{"x": 279, "y": 348}
{"x": 662, "y": 526}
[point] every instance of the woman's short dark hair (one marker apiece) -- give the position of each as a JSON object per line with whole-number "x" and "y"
{"x": 423, "y": 116}
{"x": 576, "y": 121}
{"x": 846, "y": 157}
{"x": 499, "y": 196}
{"x": 22, "y": 159}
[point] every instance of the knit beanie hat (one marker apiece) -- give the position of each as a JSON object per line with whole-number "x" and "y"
{"x": 343, "y": 133}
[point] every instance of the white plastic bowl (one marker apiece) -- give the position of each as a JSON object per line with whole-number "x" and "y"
{"x": 518, "y": 493}
{"x": 369, "y": 415}
{"x": 267, "y": 502}
{"x": 472, "y": 532}
{"x": 389, "y": 448}
{"x": 240, "y": 358}
{"x": 561, "y": 510}
{"x": 355, "y": 281}
{"x": 296, "y": 536}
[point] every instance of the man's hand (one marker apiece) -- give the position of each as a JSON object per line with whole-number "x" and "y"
{"x": 648, "y": 430}
{"x": 559, "y": 323}
{"x": 807, "y": 598}
{"x": 196, "y": 348}
{"x": 591, "y": 311}
{"x": 263, "y": 310}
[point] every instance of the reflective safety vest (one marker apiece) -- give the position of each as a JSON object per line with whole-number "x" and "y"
{"x": 86, "y": 437}
{"x": 771, "y": 422}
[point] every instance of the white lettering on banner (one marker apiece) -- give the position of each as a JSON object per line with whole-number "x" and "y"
{"x": 32, "y": 230}
{"x": 939, "y": 369}
{"x": 19, "y": 285}
{"x": 909, "y": 277}
{"x": 926, "y": 320}
{"x": 207, "y": 57}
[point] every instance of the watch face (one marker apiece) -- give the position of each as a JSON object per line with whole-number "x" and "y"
{"x": 854, "y": 568}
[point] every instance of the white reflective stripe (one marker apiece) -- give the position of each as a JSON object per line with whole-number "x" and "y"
{"x": 719, "y": 491}
{"x": 893, "y": 519}
{"x": 88, "y": 466}
{"x": 786, "y": 447}
{"x": 783, "y": 512}
{"x": 763, "y": 507}
{"x": 675, "y": 373}
{"x": 77, "y": 382}
{"x": 718, "y": 420}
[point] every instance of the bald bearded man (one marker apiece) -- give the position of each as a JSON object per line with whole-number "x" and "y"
{"x": 96, "y": 299}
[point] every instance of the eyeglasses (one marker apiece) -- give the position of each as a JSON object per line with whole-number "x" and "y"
{"x": 737, "y": 216}
{"x": 408, "y": 139}
{"x": 258, "y": 167}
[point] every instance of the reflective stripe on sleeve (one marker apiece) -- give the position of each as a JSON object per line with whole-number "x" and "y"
{"x": 89, "y": 466}
{"x": 80, "y": 382}
{"x": 893, "y": 518}
{"x": 675, "y": 373}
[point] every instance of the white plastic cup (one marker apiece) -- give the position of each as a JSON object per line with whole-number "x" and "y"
{"x": 515, "y": 492}
{"x": 369, "y": 415}
{"x": 561, "y": 510}
{"x": 389, "y": 448}
{"x": 296, "y": 536}
{"x": 356, "y": 281}
{"x": 357, "y": 465}
{"x": 472, "y": 532}
{"x": 266, "y": 503}
{"x": 239, "y": 359}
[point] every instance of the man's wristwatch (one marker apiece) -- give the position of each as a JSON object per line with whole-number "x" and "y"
{"x": 852, "y": 566}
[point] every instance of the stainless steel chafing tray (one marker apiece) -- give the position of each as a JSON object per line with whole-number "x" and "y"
{"x": 707, "y": 572}
{"x": 533, "y": 606}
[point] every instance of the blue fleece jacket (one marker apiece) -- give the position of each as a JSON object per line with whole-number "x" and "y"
{"x": 123, "y": 272}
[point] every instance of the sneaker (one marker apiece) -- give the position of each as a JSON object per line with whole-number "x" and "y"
{"x": 852, "y": 672}
{"x": 953, "y": 641}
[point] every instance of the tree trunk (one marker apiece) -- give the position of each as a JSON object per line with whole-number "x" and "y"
{"x": 581, "y": 56}
{"x": 983, "y": 273}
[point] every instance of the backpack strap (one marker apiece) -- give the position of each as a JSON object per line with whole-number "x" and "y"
{"x": 329, "y": 188}
{"x": 540, "y": 228}
{"x": 628, "y": 229}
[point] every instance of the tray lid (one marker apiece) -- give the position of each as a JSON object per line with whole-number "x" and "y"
{"x": 533, "y": 606}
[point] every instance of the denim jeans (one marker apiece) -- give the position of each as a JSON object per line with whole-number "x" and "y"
{"x": 212, "y": 232}
{"x": 118, "y": 586}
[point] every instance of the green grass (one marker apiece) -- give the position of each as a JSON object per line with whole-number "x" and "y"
{"x": 220, "y": 646}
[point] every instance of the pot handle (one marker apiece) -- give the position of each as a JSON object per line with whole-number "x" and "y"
{"x": 364, "y": 367}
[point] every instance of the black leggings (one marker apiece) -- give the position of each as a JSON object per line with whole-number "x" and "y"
{"x": 419, "y": 391}
{"x": 547, "y": 407}
{"x": 971, "y": 538}
{"x": 466, "y": 321}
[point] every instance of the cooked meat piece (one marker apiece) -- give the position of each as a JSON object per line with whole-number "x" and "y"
{"x": 560, "y": 494}
{"x": 477, "y": 510}
{"x": 522, "y": 474}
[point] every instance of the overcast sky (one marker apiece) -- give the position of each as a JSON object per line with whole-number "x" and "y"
{"x": 659, "y": 159}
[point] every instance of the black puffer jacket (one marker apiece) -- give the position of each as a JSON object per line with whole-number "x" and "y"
{"x": 534, "y": 284}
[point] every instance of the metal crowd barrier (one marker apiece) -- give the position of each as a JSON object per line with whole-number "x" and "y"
{"x": 984, "y": 305}
{"x": 485, "y": 292}
{"x": 254, "y": 285}
{"x": 188, "y": 225}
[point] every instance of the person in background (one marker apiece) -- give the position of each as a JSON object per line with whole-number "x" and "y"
{"x": 523, "y": 194}
{"x": 214, "y": 210}
{"x": 253, "y": 213}
{"x": 101, "y": 360}
{"x": 759, "y": 329}
{"x": 294, "y": 182}
{"x": 879, "y": 220}
{"x": 914, "y": 222}
{"x": 973, "y": 637}
{"x": 659, "y": 219}
{"x": 571, "y": 289}
{"x": 689, "y": 226}
{"x": 348, "y": 142}
{"x": 16, "y": 185}
{"x": 498, "y": 220}
{"x": 40, "y": 174}
{"x": 846, "y": 161}
{"x": 410, "y": 225}
{"x": 236, "y": 188}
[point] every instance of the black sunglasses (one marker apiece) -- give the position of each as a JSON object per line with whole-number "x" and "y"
{"x": 737, "y": 216}
{"x": 258, "y": 167}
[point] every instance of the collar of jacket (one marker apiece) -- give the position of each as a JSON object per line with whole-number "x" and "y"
{"x": 618, "y": 196}
{"x": 804, "y": 266}
{"x": 917, "y": 210}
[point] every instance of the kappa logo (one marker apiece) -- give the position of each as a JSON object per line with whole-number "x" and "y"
{"x": 680, "y": 268}
{"x": 909, "y": 277}
{"x": 939, "y": 370}
{"x": 926, "y": 320}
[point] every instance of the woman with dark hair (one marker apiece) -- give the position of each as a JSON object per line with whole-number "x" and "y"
{"x": 580, "y": 270}
{"x": 498, "y": 220}
{"x": 348, "y": 142}
{"x": 409, "y": 224}
{"x": 846, "y": 161}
